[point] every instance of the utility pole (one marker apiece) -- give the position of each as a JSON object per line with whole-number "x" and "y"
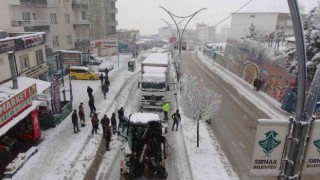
{"x": 295, "y": 153}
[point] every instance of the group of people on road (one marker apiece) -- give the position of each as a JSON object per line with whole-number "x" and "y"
{"x": 257, "y": 83}
{"x": 105, "y": 83}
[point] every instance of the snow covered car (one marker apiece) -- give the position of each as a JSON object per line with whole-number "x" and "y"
{"x": 104, "y": 65}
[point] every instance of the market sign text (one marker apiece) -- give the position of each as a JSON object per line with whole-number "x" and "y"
{"x": 12, "y": 106}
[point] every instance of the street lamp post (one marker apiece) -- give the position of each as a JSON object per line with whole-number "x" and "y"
{"x": 180, "y": 35}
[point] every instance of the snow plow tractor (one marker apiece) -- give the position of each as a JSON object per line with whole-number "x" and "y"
{"x": 144, "y": 151}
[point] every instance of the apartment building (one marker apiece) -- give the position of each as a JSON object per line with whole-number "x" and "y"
{"x": 29, "y": 55}
{"x": 265, "y": 23}
{"x": 202, "y": 32}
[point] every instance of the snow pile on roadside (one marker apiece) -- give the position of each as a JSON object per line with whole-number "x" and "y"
{"x": 207, "y": 161}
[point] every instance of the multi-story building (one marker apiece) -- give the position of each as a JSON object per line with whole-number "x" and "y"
{"x": 265, "y": 23}
{"x": 128, "y": 35}
{"x": 166, "y": 32}
{"x": 29, "y": 55}
{"x": 103, "y": 19}
{"x": 202, "y": 32}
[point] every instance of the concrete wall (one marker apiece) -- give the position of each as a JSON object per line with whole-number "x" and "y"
{"x": 248, "y": 67}
{"x": 4, "y": 67}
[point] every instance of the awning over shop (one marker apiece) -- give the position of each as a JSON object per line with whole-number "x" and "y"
{"x": 18, "y": 118}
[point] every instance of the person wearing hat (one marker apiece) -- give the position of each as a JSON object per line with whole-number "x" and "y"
{"x": 165, "y": 108}
{"x": 95, "y": 123}
{"x": 81, "y": 115}
{"x": 75, "y": 121}
{"x": 176, "y": 119}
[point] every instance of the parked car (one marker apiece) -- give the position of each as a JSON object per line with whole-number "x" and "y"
{"x": 104, "y": 65}
{"x": 83, "y": 73}
{"x": 93, "y": 60}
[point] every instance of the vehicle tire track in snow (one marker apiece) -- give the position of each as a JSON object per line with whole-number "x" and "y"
{"x": 71, "y": 174}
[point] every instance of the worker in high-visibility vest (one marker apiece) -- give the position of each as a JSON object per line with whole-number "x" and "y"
{"x": 165, "y": 110}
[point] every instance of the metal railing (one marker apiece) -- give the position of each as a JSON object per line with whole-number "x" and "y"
{"x": 30, "y": 23}
{"x": 112, "y": 10}
{"x": 37, "y": 3}
{"x": 80, "y": 43}
{"x": 112, "y": 23}
{"x": 81, "y": 22}
{"x": 80, "y": 5}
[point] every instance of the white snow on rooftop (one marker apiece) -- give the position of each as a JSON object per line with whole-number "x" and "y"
{"x": 150, "y": 77}
{"x": 24, "y": 83}
{"x": 154, "y": 70}
{"x": 156, "y": 58}
{"x": 144, "y": 117}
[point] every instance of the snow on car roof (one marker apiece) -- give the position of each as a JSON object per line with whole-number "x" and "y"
{"x": 156, "y": 58}
{"x": 154, "y": 70}
{"x": 144, "y": 117}
{"x": 79, "y": 67}
{"x": 150, "y": 77}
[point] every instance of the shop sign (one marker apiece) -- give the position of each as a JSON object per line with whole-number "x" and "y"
{"x": 55, "y": 95}
{"x": 34, "y": 70}
{"x": 15, "y": 104}
{"x": 268, "y": 147}
{"x": 110, "y": 42}
{"x": 312, "y": 158}
{"x": 32, "y": 41}
{"x": 6, "y": 46}
{"x": 71, "y": 58}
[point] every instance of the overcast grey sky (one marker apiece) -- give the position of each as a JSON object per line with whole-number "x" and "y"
{"x": 145, "y": 15}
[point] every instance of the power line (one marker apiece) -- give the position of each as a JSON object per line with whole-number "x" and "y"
{"x": 229, "y": 15}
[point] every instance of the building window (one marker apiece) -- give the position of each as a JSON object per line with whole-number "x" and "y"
{"x": 55, "y": 40}
{"x": 24, "y": 62}
{"x": 83, "y": 15}
{"x": 34, "y": 16}
{"x": 252, "y": 16}
{"x": 53, "y": 17}
{"x": 67, "y": 18}
{"x": 26, "y": 16}
{"x": 39, "y": 56}
{"x": 69, "y": 39}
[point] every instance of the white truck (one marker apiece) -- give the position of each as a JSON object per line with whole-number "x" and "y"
{"x": 154, "y": 80}
{"x": 145, "y": 149}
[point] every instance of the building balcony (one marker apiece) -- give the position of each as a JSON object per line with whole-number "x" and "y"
{"x": 34, "y": 3}
{"x": 80, "y": 5}
{"x": 82, "y": 43}
{"x": 32, "y": 25}
{"x": 112, "y": 10}
{"x": 81, "y": 24}
{"x": 112, "y": 23}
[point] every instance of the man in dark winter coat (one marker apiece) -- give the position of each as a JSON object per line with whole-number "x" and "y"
{"x": 106, "y": 70}
{"x": 114, "y": 123}
{"x": 75, "y": 121}
{"x": 105, "y": 121}
{"x": 176, "y": 119}
{"x": 95, "y": 123}
{"x": 101, "y": 78}
{"x": 91, "y": 106}
{"x": 89, "y": 91}
{"x": 81, "y": 115}
{"x": 107, "y": 136}
{"x": 120, "y": 116}
{"x": 255, "y": 83}
{"x": 105, "y": 89}
{"x": 106, "y": 81}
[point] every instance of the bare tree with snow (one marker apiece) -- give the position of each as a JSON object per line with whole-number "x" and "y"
{"x": 198, "y": 102}
{"x": 197, "y": 99}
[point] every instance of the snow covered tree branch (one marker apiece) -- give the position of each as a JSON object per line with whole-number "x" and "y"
{"x": 198, "y": 100}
